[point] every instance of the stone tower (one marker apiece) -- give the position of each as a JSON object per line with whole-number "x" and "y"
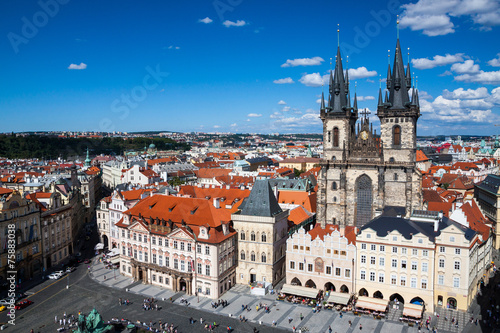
{"x": 361, "y": 172}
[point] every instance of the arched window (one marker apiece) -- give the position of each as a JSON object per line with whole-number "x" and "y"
{"x": 242, "y": 255}
{"x": 395, "y": 176}
{"x": 263, "y": 257}
{"x": 252, "y": 236}
{"x": 252, "y": 256}
{"x": 242, "y": 235}
{"x": 329, "y": 136}
{"x": 264, "y": 238}
{"x": 336, "y": 137}
{"x": 334, "y": 185}
{"x": 391, "y": 159}
{"x": 334, "y": 199}
{"x": 396, "y": 136}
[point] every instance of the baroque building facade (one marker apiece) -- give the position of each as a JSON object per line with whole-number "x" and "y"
{"x": 361, "y": 172}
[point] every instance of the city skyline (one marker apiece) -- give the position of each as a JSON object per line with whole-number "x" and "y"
{"x": 237, "y": 66}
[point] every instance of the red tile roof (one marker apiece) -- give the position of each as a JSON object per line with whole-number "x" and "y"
{"x": 305, "y": 199}
{"x": 318, "y": 231}
{"x": 421, "y": 157}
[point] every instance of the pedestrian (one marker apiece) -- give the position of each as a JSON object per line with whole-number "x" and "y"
{"x": 293, "y": 329}
{"x": 55, "y": 319}
{"x": 60, "y": 322}
{"x": 329, "y": 329}
{"x": 120, "y": 301}
{"x": 341, "y": 314}
{"x": 350, "y": 323}
{"x": 301, "y": 316}
{"x": 289, "y": 319}
{"x": 360, "y": 327}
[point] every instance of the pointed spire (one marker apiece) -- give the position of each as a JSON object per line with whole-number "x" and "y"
{"x": 397, "y": 26}
{"x": 380, "y": 97}
{"x": 322, "y": 101}
{"x": 398, "y": 96}
{"x": 386, "y": 97}
{"x": 338, "y": 99}
{"x": 338, "y": 35}
{"x": 408, "y": 72}
{"x": 389, "y": 77}
{"x": 355, "y": 102}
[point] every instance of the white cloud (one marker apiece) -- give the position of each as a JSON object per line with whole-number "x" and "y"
{"x": 284, "y": 81}
{"x": 495, "y": 62}
{"x": 75, "y": 66}
{"x": 206, "y": 20}
{"x": 467, "y": 67}
{"x": 460, "y": 93}
{"x": 318, "y": 101}
{"x": 234, "y": 125}
{"x": 282, "y": 102}
{"x": 254, "y": 115}
{"x": 238, "y": 23}
{"x": 303, "y": 62}
{"x": 286, "y": 109}
{"x": 360, "y": 73}
{"x": 294, "y": 122}
{"x": 313, "y": 79}
{"x": 433, "y": 17}
{"x": 276, "y": 115}
{"x": 468, "y": 106}
{"x": 172, "y": 47}
{"x": 365, "y": 98}
{"x": 437, "y": 60}
{"x": 480, "y": 77}
{"x": 216, "y": 126}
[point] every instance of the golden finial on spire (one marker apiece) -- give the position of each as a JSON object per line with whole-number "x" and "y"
{"x": 397, "y": 25}
{"x": 338, "y": 34}
{"x": 389, "y": 57}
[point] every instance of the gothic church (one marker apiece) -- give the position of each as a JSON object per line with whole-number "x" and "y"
{"x": 362, "y": 173}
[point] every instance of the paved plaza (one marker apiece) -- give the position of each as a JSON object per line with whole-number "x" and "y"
{"x": 286, "y": 315}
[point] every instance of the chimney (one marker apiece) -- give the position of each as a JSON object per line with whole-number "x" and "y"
{"x": 436, "y": 221}
{"x": 217, "y": 203}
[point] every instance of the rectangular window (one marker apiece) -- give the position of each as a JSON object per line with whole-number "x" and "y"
{"x": 403, "y": 281}
{"x": 363, "y": 246}
{"x": 182, "y": 246}
{"x": 140, "y": 237}
{"x": 441, "y": 263}
{"x": 456, "y": 282}
{"x": 381, "y": 277}
{"x": 207, "y": 270}
{"x": 414, "y": 265}
{"x": 189, "y": 247}
{"x": 394, "y": 249}
{"x": 175, "y": 244}
{"x": 382, "y": 248}
{"x": 381, "y": 261}
{"x": 413, "y": 282}
{"x": 154, "y": 278}
{"x": 160, "y": 260}
{"x": 145, "y": 256}
{"x": 199, "y": 268}
{"x": 207, "y": 250}
{"x": 160, "y": 279}
{"x": 373, "y": 247}
{"x": 363, "y": 259}
{"x": 292, "y": 264}
{"x": 347, "y": 272}
{"x": 183, "y": 266}
{"x": 457, "y": 251}
{"x": 176, "y": 263}
{"x": 425, "y": 253}
{"x": 167, "y": 261}
{"x": 425, "y": 267}
{"x": 153, "y": 240}
{"x": 424, "y": 283}
{"x": 442, "y": 249}
{"x": 372, "y": 260}
{"x": 140, "y": 255}
{"x": 362, "y": 275}
{"x": 414, "y": 252}
{"x": 394, "y": 263}
{"x": 393, "y": 279}
{"x": 198, "y": 248}
{"x": 441, "y": 280}
{"x": 404, "y": 250}
{"x": 329, "y": 270}
{"x": 154, "y": 258}
{"x": 403, "y": 264}
{"x": 372, "y": 276}
{"x": 309, "y": 267}
{"x": 135, "y": 254}
{"x": 338, "y": 271}
{"x": 301, "y": 266}
{"x": 457, "y": 265}
{"x": 160, "y": 241}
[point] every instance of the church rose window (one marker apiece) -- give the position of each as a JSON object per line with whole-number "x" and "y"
{"x": 364, "y": 200}
{"x": 396, "y": 137}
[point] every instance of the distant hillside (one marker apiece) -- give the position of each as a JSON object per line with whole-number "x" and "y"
{"x": 51, "y": 147}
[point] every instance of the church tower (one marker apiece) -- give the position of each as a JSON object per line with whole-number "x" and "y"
{"x": 362, "y": 174}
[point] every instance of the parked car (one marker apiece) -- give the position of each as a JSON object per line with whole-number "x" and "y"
{"x": 70, "y": 269}
{"x": 22, "y": 304}
{"x": 5, "y": 301}
{"x": 55, "y": 275}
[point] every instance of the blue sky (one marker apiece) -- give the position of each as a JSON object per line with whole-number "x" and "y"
{"x": 238, "y": 65}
